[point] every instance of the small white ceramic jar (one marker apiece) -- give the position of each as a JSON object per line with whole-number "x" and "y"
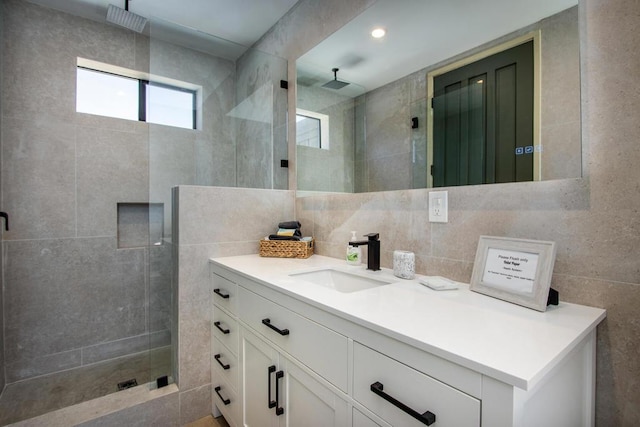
{"x": 404, "y": 264}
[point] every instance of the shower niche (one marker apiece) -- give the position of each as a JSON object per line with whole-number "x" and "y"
{"x": 140, "y": 224}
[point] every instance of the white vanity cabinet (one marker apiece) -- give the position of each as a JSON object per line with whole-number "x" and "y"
{"x": 309, "y": 356}
{"x": 278, "y": 392}
{"x": 256, "y": 382}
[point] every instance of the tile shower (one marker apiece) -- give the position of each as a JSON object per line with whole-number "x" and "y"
{"x": 88, "y": 260}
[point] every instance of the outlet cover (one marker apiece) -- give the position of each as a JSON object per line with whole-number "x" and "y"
{"x": 438, "y": 206}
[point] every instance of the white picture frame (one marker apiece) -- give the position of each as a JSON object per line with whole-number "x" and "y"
{"x": 515, "y": 270}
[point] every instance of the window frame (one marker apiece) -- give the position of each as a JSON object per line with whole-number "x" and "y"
{"x": 142, "y": 101}
{"x": 143, "y": 84}
{"x": 323, "y": 137}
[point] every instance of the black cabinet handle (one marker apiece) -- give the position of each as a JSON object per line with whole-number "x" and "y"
{"x": 217, "y": 357}
{"x": 219, "y": 293}
{"x": 280, "y": 331}
{"x": 270, "y": 370}
{"x": 279, "y": 409}
{"x": 223, "y": 330}
{"x": 225, "y": 401}
{"x": 427, "y": 418}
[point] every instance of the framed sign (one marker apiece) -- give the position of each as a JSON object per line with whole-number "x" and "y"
{"x": 515, "y": 270}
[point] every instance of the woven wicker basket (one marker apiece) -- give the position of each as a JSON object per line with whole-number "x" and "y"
{"x": 286, "y": 248}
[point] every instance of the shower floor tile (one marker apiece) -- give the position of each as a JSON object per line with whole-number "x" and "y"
{"x": 25, "y": 399}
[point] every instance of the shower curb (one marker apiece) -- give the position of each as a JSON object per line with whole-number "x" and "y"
{"x": 93, "y": 411}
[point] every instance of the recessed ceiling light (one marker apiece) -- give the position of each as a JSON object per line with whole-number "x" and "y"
{"x": 378, "y": 33}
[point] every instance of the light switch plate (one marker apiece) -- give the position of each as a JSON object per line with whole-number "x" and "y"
{"x": 438, "y": 206}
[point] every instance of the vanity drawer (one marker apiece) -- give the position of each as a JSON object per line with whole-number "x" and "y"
{"x": 224, "y": 363}
{"x": 418, "y": 392}
{"x": 320, "y": 348}
{"x": 225, "y": 293}
{"x": 225, "y": 328}
{"x": 226, "y": 400}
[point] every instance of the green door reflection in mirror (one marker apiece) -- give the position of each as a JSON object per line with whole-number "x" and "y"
{"x": 483, "y": 121}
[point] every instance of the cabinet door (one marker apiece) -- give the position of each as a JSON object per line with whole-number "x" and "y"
{"x": 361, "y": 420}
{"x": 259, "y": 369}
{"x": 309, "y": 403}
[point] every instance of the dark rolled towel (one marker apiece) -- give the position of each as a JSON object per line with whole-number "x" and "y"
{"x": 290, "y": 225}
{"x": 276, "y": 237}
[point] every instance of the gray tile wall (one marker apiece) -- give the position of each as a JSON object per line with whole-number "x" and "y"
{"x": 593, "y": 219}
{"x": 71, "y": 296}
{"x": 64, "y": 295}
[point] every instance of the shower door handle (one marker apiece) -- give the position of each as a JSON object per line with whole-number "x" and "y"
{"x": 6, "y": 220}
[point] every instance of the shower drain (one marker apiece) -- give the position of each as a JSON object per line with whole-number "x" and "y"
{"x": 127, "y": 384}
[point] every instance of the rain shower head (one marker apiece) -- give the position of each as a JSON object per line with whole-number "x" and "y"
{"x": 126, "y": 19}
{"x": 335, "y": 83}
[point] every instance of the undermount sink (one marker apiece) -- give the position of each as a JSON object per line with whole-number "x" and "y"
{"x": 339, "y": 280}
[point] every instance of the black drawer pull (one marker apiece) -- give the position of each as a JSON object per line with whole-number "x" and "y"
{"x": 427, "y": 418}
{"x": 225, "y": 401}
{"x": 217, "y": 357}
{"x": 280, "y": 331}
{"x": 279, "y": 409}
{"x": 223, "y": 330}
{"x": 217, "y": 292}
{"x": 270, "y": 370}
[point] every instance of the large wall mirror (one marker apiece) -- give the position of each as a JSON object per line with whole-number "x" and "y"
{"x": 454, "y": 93}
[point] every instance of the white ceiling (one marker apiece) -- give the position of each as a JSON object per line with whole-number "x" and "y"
{"x": 232, "y": 25}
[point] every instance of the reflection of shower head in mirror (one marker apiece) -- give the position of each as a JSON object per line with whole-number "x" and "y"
{"x": 335, "y": 83}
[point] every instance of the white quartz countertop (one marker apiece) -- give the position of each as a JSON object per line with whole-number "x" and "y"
{"x": 510, "y": 343}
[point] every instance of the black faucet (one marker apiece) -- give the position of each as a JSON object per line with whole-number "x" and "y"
{"x": 373, "y": 250}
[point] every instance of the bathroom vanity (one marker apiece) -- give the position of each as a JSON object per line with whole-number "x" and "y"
{"x": 376, "y": 350}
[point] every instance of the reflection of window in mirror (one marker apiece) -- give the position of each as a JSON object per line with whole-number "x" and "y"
{"x": 312, "y": 129}
{"x": 483, "y": 120}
